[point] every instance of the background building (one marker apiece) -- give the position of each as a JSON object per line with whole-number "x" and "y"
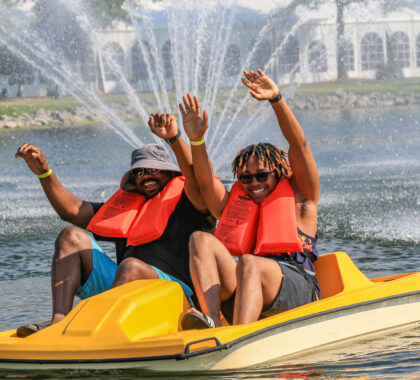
{"x": 290, "y": 51}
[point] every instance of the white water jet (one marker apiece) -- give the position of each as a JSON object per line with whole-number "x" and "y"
{"x": 59, "y": 71}
{"x": 196, "y": 52}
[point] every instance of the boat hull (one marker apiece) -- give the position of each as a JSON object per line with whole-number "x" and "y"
{"x": 359, "y": 308}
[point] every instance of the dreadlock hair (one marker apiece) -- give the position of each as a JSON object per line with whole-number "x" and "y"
{"x": 274, "y": 158}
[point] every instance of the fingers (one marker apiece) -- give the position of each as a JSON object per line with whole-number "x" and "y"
{"x": 151, "y": 122}
{"x": 206, "y": 120}
{"x": 24, "y": 149}
{"x": 187, "y": 106}
{"x": 181, "y": 108}
{"x": 197, "y": 105}
{"x": 191, "y": 102}
{"x": 254, "y": 75}
{"x": 247, "y": 75}
{"x": 169, "y": 118}
{"x": 21, "y": 150}
{"x": 247, "y": 84}
{"x": 157, "y": 120}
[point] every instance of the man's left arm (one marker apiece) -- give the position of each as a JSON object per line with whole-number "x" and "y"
{"x": 166, "y": 127}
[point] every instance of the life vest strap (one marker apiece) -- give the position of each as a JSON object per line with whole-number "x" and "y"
{"x": 310, "y": 256}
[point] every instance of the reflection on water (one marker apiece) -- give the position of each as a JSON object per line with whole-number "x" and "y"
{"x": 369, "y": 165}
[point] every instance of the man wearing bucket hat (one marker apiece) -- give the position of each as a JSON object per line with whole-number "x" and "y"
{"x": 165, "y": 205}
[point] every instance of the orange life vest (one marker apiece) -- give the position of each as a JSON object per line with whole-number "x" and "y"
{"x": 269, "y": 227}
{"x": 129, "y": 215}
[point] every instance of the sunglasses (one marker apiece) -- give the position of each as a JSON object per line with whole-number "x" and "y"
{"x": 142, "y": 171}
{"x": 260, "y": 177}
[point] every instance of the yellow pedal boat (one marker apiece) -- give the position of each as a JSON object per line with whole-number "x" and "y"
{"x": 136, "y": 326}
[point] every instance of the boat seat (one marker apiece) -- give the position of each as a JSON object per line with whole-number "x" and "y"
{"x": 336, "y": 273}
{"x": 129, "y": 312}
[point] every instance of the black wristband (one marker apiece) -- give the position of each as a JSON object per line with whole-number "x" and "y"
{"x": 276, "y": 99}
{"x": 173, "y": 139}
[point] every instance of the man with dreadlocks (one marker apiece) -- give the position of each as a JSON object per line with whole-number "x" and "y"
{"x": 260, "y": 259}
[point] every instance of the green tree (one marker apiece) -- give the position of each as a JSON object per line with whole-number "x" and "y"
{"x": 18, "y": 71}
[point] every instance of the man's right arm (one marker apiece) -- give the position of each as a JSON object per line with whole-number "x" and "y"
{"x": 65, "y": 203}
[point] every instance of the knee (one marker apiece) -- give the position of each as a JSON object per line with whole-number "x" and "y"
{"x": 135, "y": 268}
{"x": 246, "y": 265}
{"x": 71, "y": 239}
{"x": 199, "y": 240}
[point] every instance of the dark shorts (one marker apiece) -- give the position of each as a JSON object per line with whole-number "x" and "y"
{"x": 295, "y": 291}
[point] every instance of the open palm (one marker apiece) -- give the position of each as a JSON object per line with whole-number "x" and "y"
{"x": 195, "y": 123}
{"x": 261, "y": 86}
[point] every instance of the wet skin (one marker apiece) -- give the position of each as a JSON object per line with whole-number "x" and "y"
{"x": 258, "y": 190}
{"x": 151, "y": 184}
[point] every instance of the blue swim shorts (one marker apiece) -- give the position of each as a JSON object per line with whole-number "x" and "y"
{"x": 103, "y": 274}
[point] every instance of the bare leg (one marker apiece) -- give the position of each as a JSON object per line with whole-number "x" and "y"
{"x": 212, "y": 271}
{"x": 132, "y": 269}
{"x": 259, "y": 281}
{"x": 71, "y": 266}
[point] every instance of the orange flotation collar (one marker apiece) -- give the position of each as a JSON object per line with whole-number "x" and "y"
{"x": 269, "y": 227}
{"x": 129, "y": 215}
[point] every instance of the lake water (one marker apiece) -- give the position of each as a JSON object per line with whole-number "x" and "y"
{"x": 369, "y": 165}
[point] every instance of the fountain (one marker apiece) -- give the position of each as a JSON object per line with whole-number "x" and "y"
{"x": 197, "y": 58}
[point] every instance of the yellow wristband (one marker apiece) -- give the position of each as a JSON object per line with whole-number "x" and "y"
{"x": 196, "y": 143}
{"x": 45, "y": 175}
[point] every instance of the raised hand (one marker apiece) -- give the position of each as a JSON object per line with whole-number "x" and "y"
{"x": 195, "y": 123}
{"x": 34, "y": 158}
{"x": 261, "y": 87}
{"x": 163, "y": 125}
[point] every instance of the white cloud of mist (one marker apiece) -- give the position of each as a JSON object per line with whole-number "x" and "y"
{"x": 264, "y": 6}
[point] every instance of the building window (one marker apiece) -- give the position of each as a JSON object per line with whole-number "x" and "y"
{"x": 167, "y": 59}
{"x": 139, "y": 66}
{"x": 87, "y": 66}
{"x": 348, "y": 55}
{"x": 418, "y": 50}
{"x": 400, "y": 49}
{"x": 289, "y": 56}
{"x": 113, "y": 55}
{"x": 317, "y": 57}
{"x": 261, "y": 54}
{"x": 232, "y": 63}
{"x": 372, "y": 51}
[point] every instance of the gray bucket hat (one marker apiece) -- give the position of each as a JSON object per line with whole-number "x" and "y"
{"x": 151, "y": 156}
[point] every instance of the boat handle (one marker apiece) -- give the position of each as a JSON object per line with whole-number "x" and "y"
{"x": 187, "y": 347}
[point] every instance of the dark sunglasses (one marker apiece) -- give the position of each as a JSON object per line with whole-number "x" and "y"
{"x": 260, "y": 177}
{"x": 142, "y": 171}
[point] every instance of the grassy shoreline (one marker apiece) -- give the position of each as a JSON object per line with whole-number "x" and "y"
{"x": 15, "y": 107}
{"x": 362, "y": 87}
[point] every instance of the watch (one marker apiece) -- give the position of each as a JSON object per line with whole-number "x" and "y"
{"x": 173, "y": 139}
{"x": 276, "y": 99}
